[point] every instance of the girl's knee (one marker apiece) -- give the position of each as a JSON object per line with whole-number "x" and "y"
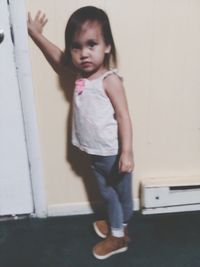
{"x": 109, "y": 194}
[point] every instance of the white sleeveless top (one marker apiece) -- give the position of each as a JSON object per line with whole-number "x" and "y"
{"x": 94, "y": 128}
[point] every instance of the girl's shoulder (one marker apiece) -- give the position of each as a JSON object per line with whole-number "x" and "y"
{"x": 112, "y": 78}
{"x": 112, "y": 74}
{"x": 112, "y": 82}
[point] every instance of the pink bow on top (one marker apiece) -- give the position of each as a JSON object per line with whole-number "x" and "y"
{"x": 79, "y": 86}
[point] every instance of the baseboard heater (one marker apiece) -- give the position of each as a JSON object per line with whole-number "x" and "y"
{"x": 162, "y": 195}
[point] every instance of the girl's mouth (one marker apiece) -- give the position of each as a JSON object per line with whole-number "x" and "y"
{"x": 86, "y": 64}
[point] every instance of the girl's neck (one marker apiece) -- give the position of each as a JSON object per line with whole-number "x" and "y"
{"x": 94, "y": 75}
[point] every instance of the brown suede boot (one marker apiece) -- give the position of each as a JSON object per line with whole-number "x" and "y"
{"x": 102, "y": 229}
{"x": 110, "y": 246}
{"x": 126, "y": 236}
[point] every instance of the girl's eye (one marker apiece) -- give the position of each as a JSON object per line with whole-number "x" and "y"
{"x": 75, "y": 46}
{"x": 92, "y": 44}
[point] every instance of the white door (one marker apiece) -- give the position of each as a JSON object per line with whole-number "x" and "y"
{"x": 15, "y": 183}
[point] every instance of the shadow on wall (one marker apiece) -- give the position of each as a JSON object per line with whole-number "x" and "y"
{"x": 78, "y": 160}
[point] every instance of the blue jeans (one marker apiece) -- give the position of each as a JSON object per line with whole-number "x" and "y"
{"x": 115, "y": 188}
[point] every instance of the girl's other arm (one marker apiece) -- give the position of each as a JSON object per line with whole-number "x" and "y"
{"x": 51, "y": 52}
{"x": 116, "y": 93}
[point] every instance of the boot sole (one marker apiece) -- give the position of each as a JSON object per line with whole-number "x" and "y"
{"x": 100, "y": 234}
{"x": 99, "y": 257}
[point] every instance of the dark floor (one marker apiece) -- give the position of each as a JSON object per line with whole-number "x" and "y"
{"x": 167, "y": 240}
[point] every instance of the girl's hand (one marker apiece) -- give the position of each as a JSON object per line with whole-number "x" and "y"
{"x": 36, "y": 25}
{"x": 126, "y": 163}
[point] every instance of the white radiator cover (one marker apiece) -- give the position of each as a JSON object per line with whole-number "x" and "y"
{"x": 161, "y": 195}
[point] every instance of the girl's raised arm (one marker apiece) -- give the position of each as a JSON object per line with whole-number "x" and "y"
{"x": 52, "y": 53}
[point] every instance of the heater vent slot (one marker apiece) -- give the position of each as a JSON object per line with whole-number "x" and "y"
{"x": 185, "y": 187}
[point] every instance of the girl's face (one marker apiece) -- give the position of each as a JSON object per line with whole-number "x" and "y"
{"x": 88, "y": 49}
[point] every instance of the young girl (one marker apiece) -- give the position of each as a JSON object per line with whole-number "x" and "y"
{"x": 101, "y": 121}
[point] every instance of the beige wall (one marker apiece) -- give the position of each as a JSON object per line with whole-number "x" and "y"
{"x": 158, "y": 44}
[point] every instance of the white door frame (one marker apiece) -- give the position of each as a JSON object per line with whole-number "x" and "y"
{"x": 19, "y": 26}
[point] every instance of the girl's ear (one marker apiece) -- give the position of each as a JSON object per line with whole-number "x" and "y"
{"x": 108, "y": 49}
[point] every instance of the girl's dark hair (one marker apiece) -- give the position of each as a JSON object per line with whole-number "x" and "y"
{"x": 77, "y": 19}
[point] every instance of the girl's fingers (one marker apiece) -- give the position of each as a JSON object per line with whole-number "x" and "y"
{"x": 38, "y": 15}
{"x": 125, "y": 167}
{"x": 44, "y": 22}
{"x": 42, "y": 18}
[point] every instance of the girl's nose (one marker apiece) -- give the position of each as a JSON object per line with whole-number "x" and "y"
{"x": 84, "y": 53}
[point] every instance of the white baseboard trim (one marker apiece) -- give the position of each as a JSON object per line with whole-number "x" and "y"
{"x": 172, "y": 209}
{"x": 78, "y": 208}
